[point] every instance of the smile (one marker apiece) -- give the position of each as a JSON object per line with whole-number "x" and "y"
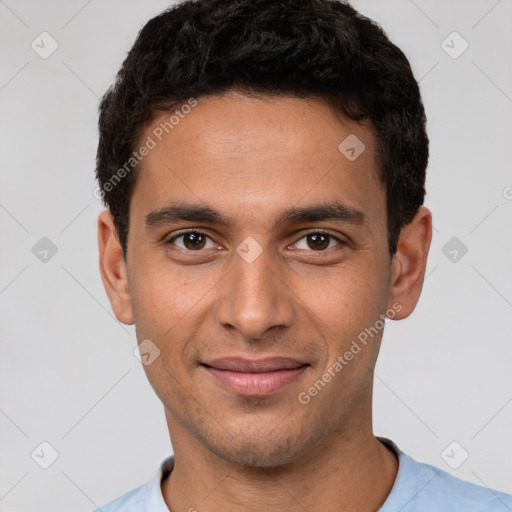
{"x": 255, "y": 378}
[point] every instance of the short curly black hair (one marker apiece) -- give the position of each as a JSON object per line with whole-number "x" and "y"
{"x": 320, "y": 49}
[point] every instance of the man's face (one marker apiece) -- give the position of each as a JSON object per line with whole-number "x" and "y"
{"x": 255, "y": 288}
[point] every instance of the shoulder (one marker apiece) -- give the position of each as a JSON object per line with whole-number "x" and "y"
{"x": 421, "y": 487}
{"x": 132, "y": 501}
{"x": 443, "y": 488}
{"x": 145, "y": 498}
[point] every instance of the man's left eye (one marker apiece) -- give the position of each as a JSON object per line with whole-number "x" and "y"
{"x": 319, "y": 241}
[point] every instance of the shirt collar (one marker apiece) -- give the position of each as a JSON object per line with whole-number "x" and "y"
{"x": 153, "y": 499}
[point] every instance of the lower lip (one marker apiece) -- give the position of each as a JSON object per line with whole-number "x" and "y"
{"x": 255, "y": 384}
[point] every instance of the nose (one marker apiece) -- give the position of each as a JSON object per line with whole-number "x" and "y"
{"x": 253, "y": 297}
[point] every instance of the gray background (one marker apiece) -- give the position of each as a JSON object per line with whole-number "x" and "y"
{"x": 68, "y": 375}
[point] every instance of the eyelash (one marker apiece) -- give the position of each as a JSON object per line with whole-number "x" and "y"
{"x": 314, "y": 232}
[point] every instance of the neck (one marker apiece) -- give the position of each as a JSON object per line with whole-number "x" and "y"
{"x": 345, "y": 471}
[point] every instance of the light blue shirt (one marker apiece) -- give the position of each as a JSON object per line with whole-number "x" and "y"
{"x": 418, "y": 487}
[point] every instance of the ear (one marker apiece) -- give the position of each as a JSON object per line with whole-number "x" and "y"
{"x": 113, "y": 269}
{"x": 409, "y": 263}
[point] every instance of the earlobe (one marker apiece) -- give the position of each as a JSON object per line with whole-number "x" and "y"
{"x": 409, "y": 263}
{"x": 113, "y": 269}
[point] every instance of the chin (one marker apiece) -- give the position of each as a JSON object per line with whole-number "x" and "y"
{"x": 259, "y": 446}
{"x": 257, "y": 454}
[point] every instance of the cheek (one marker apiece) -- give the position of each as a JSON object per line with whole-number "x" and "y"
{"x": 165, "y": 307}
{"x": 346, "y": 299}
{"x": 170, "y": 304}
{"x": 164, "y": 297}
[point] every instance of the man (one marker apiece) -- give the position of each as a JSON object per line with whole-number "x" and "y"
{"x": 263, "y": 164}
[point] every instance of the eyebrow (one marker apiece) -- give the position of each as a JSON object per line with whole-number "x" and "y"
{"x": 334, "y": 211}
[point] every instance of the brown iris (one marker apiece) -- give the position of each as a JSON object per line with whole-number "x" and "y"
{"x": 319, "y": 240}
{"x": 194, "y": 241}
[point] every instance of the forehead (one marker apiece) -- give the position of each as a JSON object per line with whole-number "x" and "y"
{"x": 255, "y": 156}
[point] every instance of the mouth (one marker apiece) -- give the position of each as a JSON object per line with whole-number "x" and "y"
{"x": 251, "y": 377}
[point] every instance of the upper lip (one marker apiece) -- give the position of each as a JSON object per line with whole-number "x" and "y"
{"x": 243, "y": 365}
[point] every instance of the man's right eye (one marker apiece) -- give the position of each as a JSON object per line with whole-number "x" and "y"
{"x": 192, "y": 240}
